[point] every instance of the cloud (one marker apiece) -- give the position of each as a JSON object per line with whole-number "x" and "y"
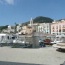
{"x": 10, "y": 2}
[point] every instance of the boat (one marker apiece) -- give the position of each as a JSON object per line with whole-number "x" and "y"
{"x": 19, "y": 41}
{"x": 12, "y": 39}
{"x": 7, "y": 39}
{"x": 60, "y": 45}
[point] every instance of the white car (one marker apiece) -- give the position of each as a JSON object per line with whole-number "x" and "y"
{"x": 54, "y": 42}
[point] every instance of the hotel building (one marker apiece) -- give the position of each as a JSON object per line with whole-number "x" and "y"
{"x": 58, "y": 27}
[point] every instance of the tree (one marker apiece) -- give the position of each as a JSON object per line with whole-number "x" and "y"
{"x": 16, "y": 27}
{"x": 3, "y": 27}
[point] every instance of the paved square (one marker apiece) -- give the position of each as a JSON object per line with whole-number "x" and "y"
{"x": 44, "y": 56}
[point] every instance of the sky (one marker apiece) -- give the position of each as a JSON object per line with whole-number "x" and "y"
{"x": 20, "y": 11}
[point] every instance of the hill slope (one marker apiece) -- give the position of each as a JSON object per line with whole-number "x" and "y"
{"x": 40, "y": 19}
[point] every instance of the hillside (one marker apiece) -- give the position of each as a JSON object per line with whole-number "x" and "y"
{"x": 40, "y": 19}
{"x": 3, "y": 27}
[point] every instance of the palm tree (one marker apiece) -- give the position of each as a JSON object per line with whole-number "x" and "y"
{"x": 16, "y": 27}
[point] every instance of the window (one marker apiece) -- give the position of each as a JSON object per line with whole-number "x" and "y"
{"x": 56, "y": 27}
{"x": 13, "y": 37}
{"x": 63, "y": 26}
{"x": 57, "y": 33}
{"x": 53, "y": 33}
{"x": 47, "y": 32}
{"x": 63, "y": 30}
{"x": 53, "y": 27}
{"x": 2, "y": 37}
{"x": 53, "y": 30}
{"x": 7, "y": 37}
{"x": 59, "y": 30}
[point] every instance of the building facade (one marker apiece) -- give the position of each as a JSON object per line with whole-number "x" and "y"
{"x": 41, "y": 27}
{"x": 26, "y": 30}
{"x": 11, "y": 29}
{"x": 58, "y": 27}
{"x": 44, "y": 27}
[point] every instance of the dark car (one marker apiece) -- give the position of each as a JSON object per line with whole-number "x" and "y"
{"x": 47, "y": 42}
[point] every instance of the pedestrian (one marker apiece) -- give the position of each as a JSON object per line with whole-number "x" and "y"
{"x": 41, "y": 43}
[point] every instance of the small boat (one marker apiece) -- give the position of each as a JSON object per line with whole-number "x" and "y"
{"x": 19, "y": 41}
{"x": 6, "y": 38}
{"x": 60, "y": 45}
{"x": 12, "y": 40}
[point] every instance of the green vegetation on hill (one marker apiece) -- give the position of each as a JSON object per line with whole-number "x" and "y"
{"x": 3, "y": 27}
{"x": 40, "y": 19}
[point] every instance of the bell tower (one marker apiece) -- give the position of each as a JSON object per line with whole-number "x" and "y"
{"x": 31, "y": 22}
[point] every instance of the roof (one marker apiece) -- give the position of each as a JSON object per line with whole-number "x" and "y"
{"x": 2, "y": 34}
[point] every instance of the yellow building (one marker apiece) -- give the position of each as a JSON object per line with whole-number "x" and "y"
{"x": 26, "y": 30}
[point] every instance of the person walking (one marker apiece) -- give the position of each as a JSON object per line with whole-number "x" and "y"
{"x": 41, "y": 43}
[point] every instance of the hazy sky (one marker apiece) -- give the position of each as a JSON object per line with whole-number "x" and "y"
{"x": 19, "y": 11}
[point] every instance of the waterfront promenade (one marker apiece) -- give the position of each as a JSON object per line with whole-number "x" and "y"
{"x": 31, "y": 56}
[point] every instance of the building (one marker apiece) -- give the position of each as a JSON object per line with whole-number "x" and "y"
{"x": 41, "y": 27}
{"x": 33, "y": 25}
{"x": 44, "y": 27}
{"x": 11, "y": 29}
{"x": 19, "y": 27}
{"x": 58, "y": 27}
{"x": 26, "y": 30}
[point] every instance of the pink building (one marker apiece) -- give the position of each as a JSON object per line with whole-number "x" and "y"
{"x": 58, "y": 27}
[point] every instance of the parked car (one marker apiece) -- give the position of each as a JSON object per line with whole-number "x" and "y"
{"x": 55, "y": 41}
{"x": 47, "y": 41}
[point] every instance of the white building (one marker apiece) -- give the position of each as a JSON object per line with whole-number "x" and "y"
{"x": 44, "y": 27}
{"x": 19, "y": 27}
{"x": 11, "y": 29}
{"x": 41, "y": 27}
